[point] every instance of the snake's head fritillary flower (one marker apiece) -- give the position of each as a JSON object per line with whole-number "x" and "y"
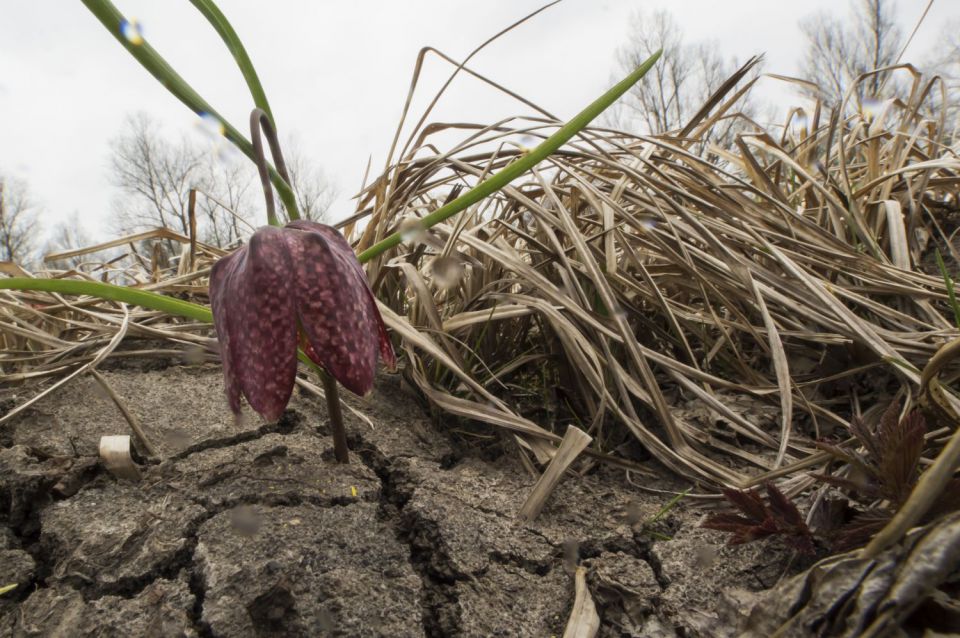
{"x": 297, "y": 285}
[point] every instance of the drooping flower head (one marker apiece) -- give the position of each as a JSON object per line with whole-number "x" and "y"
{"x": 296, "y": 285}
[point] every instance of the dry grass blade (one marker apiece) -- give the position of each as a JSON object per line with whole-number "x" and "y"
{"x": 584, "y": 621}
{"x": 91, "y": 365}
{"x": 639, "y": 291}
{"x": 131, "y": 418}
{"x": 573, "y": 443}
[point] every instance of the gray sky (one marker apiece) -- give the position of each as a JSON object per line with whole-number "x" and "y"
{"x": 336, "y": 73}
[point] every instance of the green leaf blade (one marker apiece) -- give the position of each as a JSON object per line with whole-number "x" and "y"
{"x": 522, "y": 164}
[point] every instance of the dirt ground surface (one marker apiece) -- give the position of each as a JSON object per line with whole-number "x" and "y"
{"x": 252, "y": 529}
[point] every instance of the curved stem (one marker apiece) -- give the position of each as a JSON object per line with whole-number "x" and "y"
{"x": 111, "y": 18}
{"x": 125, "y": 294}
{"x": 224, "y": 29}
{"x": 260, "y": 120}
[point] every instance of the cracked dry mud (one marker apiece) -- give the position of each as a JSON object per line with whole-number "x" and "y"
{"x": 247, "y": 529}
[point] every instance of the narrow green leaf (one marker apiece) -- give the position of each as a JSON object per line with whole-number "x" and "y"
{"x": 112, "y": 18}
{"x": 7, "y": 588}
{"x": 524, "y": 163}
{"x": 147, "y": 56}
{"x": 951, "y": 293}
{"x": 670, "y": 505}
{"x": 125, "y": 294}
{"x": 223, "y": 27}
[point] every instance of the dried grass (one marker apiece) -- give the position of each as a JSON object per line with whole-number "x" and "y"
{"x": 722, "y": 312}
{"x": 641, "y": 292}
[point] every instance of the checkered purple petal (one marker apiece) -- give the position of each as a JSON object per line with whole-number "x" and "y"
{"x": 336, "y": 308}
{"x": 253, "y": 301}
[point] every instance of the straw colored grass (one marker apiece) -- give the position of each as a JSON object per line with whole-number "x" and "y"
{"x": 627, "y": 281}
{"x": 719, "y": 313}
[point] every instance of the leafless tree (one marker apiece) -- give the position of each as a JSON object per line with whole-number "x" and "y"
{"x": 944, "y": 60}
{"x": 840, "y": 49}
{"x": 315, "y": 193}
{"x": 156, "y": 177}
{"x": 67, "y": 235}
{"x": 678, "y": 85}
{"x": 225, "y": 203}
{"x": 18, "y": 222}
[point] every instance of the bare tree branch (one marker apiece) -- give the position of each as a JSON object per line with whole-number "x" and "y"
{"x": 839, "y": 50}
{"x": 156, "y": 176}
{"x": 18, "y": 222}
{"x": 675, "y": 88}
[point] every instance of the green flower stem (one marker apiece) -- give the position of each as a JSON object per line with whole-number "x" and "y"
{"x": 524, "y": 163}
{"x": 341, "y": 450}
{"x": 223, "y": 28}
{"x": 147, "y": 56}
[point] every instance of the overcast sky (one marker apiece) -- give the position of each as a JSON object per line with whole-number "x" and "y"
{"x": 336, "y": 73}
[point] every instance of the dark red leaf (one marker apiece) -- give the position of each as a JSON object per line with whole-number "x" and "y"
{"x": 857, "y": 486}
{"x": 779, "y": 517}
{"x": 783, "y": 508}
{"x": 854, "y": 459}
{"x": 748, "y": 502}
{"x": 727, "y": 522}
{"x": 861, "y": 529}
{"x": 867, "y": 437}
{"x": 902, "y": 444}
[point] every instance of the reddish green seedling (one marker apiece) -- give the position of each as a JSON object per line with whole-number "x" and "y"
{"x": 296, "y": 285}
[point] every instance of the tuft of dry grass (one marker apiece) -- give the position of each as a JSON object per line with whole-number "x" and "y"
{"x": 723, "y": 312}
{"x": 718, "y": 313}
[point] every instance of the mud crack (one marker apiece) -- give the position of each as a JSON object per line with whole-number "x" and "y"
{"x": 440, "y": 605}
{"x": 288, "y": 423}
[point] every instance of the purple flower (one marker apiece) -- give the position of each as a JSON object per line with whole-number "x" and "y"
{"x": 301, "y": 284}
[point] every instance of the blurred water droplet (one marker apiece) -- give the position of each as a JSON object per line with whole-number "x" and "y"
{"x": 210, "y": 125}
{"x": 228, "y": 153}
{"x": 704, "y": 557}
{"x": 620, "y": 313}
{"x": 177, "y": 439}
{"x": 648, "y": 223}
{"x": 325, "y": 621}
{"x": 245, "y": 520}
{"x": 529, "y": 221}
{"x": 447, "y": 272}
{"x": 571, "y": 555}
{"x": 411, "y": 230}
{"x": 194, "y": 355}
{"x": 100, "y": 392}
{"x": 634, "y": 513}
{"x": 870, "y": 107}
{"x": 800, "y": 122}
{"x": 241, "y": 421}
{"x": 528, "y": 140}
{"x": 132, "y": 31}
